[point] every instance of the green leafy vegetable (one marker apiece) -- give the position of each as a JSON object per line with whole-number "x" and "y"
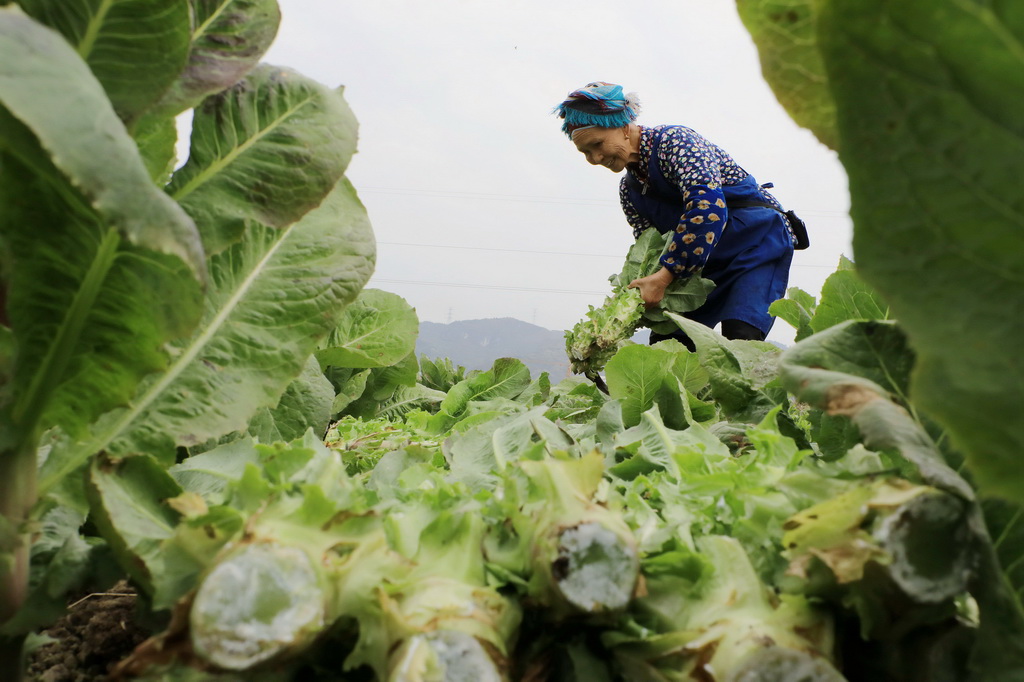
{"x": 605, "y": 330}
{"x": 788, "y": 44}
{"x": 911, "y": 82}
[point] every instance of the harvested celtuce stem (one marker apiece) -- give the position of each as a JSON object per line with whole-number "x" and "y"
{"x": 725, "y": 627}
{"x": 263, "y": 601}
{"x": 583, "y": 556}
{"x": 900, "y": 552}
{"x": 444, "y": 622}
{"x": 443, "y": 656}
{"x": 595, "y": 570}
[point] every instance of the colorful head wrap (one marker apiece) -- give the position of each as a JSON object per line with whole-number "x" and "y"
{"x": 597, "y": 104}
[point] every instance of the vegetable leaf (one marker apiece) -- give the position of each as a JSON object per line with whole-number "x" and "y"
{"x": 784, "y": 32}
{"x": 250, "y": 345}
{"x": 379, "y": 329}
{"x": 931, "y": 138}
{"x": 119, "y": 253}
{"x": 135, "y": 48}
{"x": 267, "y": 150}
{"x": 228, "y": 39}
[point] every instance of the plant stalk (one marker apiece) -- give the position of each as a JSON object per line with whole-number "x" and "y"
{"x": 12, "y": 666}
{"x": 18, "y": 486}
{"x": 17, "y": 497}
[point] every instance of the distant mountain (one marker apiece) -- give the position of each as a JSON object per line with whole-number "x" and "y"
{"x": 476, "y": 344}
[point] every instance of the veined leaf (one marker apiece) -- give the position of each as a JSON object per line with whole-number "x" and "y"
{"x": 507, "y": 378}
{"x": 873, "y": 350}
{"x": 51, "y": 91}
{"x": 1005, "y": 523}
{"x": 379, "y": 387}
{"x": 267, "y": 150}
{"x": 479, "y": 454}
{"x": 135, "y": 48}
{"x": 162, "y": 536}
{"x": 128, "y": 501}
{"x": 227, "y": 40}
{"x": 440, "y": 374}
{"x": 681, "y": 296}
{"x": 928, "y": 94}
{"x": 209, "y": 474}
{"x": 158, "y": 141}
{"x": 275, "y": 295}
{"x": 836, "y": 370}
{"x": 348, "y": 384}
{"x": 797, "y": 309}
{"x": 635, "y": 376}
{"x": 379, "y": 329}
{"x": 102, "y": 263}
{"x": 305, "y": 404}
{"x": 642, "y": 257}
{"x": 408, "y": 398}
{"x": 91, "y": 314}
{"x": 787, "y": 42}
{"x": 740, "y": 373}
{"x": 845, "y": 296}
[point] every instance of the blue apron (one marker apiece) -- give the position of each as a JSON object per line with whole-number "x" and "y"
{"x": 749, "y": 265}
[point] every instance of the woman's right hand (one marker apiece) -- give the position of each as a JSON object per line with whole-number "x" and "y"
{"x": 652, "y": 287}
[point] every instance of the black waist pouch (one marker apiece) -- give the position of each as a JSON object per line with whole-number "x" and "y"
{"x": 799, "y": 230}
{"x": 796, "y": 223}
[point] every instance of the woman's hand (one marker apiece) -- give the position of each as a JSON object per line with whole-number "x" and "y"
{"x": 652, "y": 287}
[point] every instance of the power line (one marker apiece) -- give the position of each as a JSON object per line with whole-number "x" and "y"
{"x": 531, "y": 198}
{"x": 513, "y": 198}
{"x": 495, "y": 287}
{"x": 549, "y": 253}
{"x": 486, "y": 248}
{"x": 491, "y": 286}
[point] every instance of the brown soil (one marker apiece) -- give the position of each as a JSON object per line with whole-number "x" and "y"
{"x": 97, "y": 632}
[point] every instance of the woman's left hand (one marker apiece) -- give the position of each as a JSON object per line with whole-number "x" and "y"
{"x": 652, "y": 287}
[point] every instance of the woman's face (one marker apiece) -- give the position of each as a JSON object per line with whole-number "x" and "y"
{"x": 608, "y": 147}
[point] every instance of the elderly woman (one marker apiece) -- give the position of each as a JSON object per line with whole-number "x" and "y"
{"x": 724, "y": 225}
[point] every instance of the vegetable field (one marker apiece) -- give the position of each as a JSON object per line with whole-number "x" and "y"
{"x": 199, "y": 396}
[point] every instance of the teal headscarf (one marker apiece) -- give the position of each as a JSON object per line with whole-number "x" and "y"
{"x": 597, "y": 104}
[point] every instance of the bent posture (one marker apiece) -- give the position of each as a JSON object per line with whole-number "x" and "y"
{"x": 724, "y": 225}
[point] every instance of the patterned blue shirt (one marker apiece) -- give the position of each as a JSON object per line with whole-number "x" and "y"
{"x": 699, "y": 169}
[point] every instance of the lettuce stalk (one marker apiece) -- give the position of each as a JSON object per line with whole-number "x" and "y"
{"x": 440, "y": 620}
{"x": 265, "y": 600}
{"x": 722, "y": 625}
{"x": 271, "y": 595}
{"x": 900, "y": 554}
{"x": 581, "y": 556}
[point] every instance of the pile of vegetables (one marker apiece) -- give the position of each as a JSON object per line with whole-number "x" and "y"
{"x": 198, "y": 394}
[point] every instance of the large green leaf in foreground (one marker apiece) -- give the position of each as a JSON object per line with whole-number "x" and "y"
{"x": 833, "y": 370}
{"x": 92, "y": 304}
{"x": 228, "y": 39}
{"x": 272, "y": 297}
{"x": 268, "y": 150}
{"x": 48, "y": 88}
{"x": 784, "y": 33}
{"x": 135, "y": 48}
{"x": 932, "y": 137}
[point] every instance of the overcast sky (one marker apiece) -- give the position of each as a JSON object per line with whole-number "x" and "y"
{"x": 480, "y": 206}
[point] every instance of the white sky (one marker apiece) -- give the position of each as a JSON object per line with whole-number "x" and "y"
{"x": 481, "y": 207}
